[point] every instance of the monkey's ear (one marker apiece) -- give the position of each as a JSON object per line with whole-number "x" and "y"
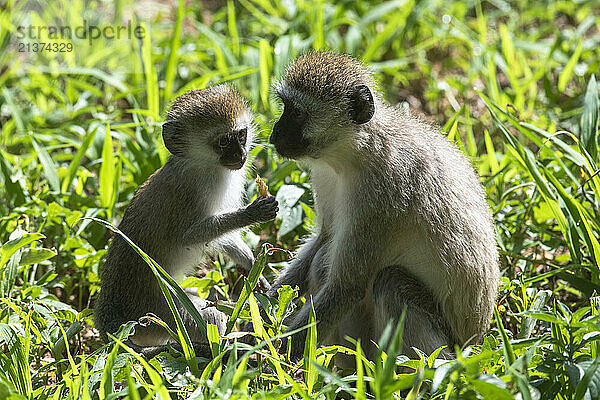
{"x": 169, "y": 134}
{"x": 362, "y": 106}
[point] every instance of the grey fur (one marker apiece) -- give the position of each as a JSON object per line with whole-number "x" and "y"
{"x": 189, "y": 207}
{"x": 401, "y": 220}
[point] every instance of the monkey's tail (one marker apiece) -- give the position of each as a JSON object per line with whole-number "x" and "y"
{"x": 201, "y": 350}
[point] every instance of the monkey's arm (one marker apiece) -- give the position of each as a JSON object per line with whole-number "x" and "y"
{"x": 214, "y": 226}
{"x": 296, "y": 274}
{"x": 235, "y": 248}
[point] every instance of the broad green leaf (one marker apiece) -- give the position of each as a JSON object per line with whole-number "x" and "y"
{"x": 291, "y": 214}
{"x": 490, "y": 390}
{"x": 15, "y": 192}
{"x": 9, "y": 248}
{"x": 590, "y": 381}
{"x": 544, "y": 317}
{"x": 528, "y": 323}
{"x": 34, "y": 256}
{"x": 212, "y": 334}
{"x": 286, "y": 295}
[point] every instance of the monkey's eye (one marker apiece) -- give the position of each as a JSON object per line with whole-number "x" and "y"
{"x": 295, "y": 113}
{"x": 242, "y": 135}
{"x": 225, "y": 141}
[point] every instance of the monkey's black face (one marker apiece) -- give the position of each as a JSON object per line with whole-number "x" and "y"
{"x": 231, "y": 149}
{"x": 287, "y": 135}
{"x": 310, "y": 130}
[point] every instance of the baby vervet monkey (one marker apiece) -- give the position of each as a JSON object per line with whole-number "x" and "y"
{"x": 401, "y": 219}
{"x": 189, "y": 207}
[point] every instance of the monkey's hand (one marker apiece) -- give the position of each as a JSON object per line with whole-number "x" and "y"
{"x": 262, "y": 209}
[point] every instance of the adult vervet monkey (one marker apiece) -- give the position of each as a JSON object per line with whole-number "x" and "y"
{"x": 401, "y": 219}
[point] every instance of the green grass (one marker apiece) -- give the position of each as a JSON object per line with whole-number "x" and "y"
{"x": 512, "y": 83}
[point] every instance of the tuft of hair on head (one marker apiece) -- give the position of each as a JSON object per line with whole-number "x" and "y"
{"x": 196, "y": 112}
{"x": 327, "y": 74}
{"x": 219, "y": 104}
{"x": 325, "y": 77}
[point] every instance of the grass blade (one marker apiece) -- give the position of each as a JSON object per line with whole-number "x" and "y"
{"x": 76, "y": 161}
{"x": 232, "y": 27}
{"x": 15, "y": 363}
{"x": 249, "y": 285}
{"x": 528, "y": 323}
{"x": 150, "y": 73}
{"x": 509, "y": 354}
{"x": 582, "y": 219}
{"x": 265, "y": 71}
{"x": 48, "y": 166}
{"x": 567, "y": 72}
{"x": 589, "y": 119}
{"x": 174, "y": 49}
{"x": 397, "y": 21}
{"x": 310, "y": 352}
{"x": 360, "y": 374}
{"x": 107, "y": 172}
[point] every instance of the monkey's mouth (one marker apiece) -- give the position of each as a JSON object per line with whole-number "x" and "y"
{"x": 290, "y": 151}
{"x": 236, "y": 165}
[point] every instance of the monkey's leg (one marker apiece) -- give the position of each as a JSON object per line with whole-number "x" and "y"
{"x": 239, "y": 252}
{"x": 425, "y": 326}
{"x": 152, "y": 340}
{"x": 358, "y": 324}
{"x": 154, "y": 334}
{"x": 209, "y": 314}
{"x": 331, "y": 304}
{"x": 348, "y": 279}
{"x": 297, "y": 272}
